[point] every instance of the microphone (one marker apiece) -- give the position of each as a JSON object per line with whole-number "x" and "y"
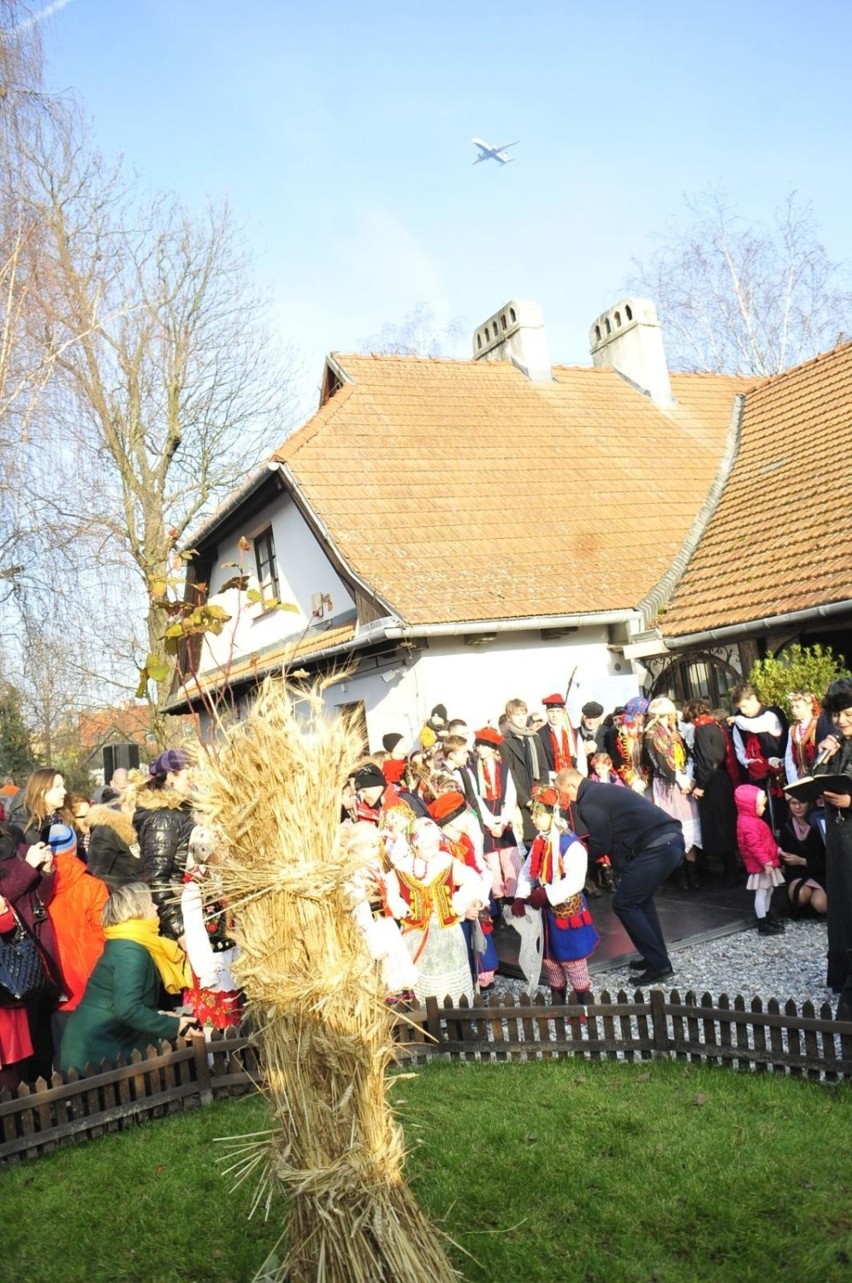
{"x": 827, "y": 752}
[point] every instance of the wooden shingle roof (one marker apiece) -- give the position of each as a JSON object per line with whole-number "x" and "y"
{"x": 779, "y": 539}
{"x": 461, "y": 491}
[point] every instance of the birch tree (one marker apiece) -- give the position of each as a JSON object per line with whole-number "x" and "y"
{"x": 753, "y": 298}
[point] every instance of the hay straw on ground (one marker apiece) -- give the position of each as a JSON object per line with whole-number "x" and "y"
{"x": 273, "y": 787}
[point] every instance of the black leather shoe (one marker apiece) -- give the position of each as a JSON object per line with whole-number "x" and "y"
{"x": 641, "y": 964}
{"x": 651, "y": 977}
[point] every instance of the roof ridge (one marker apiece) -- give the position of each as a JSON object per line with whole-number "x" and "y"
{"x": 838, "y": 350}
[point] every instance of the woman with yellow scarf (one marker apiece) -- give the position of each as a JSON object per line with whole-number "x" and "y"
{"x": 118, "y": 1013}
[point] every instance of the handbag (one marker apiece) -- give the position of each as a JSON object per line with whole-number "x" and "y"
{"x": 23, "y": 974}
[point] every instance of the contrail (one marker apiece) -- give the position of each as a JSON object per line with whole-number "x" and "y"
{"x": 35, "y": 18}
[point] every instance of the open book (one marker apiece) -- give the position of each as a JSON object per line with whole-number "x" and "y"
{"x": 810, "y": 787}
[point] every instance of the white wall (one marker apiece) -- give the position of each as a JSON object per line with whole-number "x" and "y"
{"x": 303, "y": 569}
{"x": 474, "y": 682}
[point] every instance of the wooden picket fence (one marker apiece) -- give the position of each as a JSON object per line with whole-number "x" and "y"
{"x": 40, "y": 1118}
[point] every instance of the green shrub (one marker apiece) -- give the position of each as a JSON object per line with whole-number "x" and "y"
{"x": 799, "y": 668}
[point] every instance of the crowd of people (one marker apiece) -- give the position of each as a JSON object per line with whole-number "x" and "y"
{"x": 111, "y": 892}
{"x": 465, "y": 832}
{"x": 694, "y": 794}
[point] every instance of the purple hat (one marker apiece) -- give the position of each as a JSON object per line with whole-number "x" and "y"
{"x": 172, "y": 759}
{"x": 635, "y": 707}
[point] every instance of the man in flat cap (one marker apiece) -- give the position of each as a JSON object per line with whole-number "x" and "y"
{"x": 589, "y": 733}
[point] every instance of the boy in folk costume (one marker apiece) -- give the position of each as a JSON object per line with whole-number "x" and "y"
{"x": 464, "y": 837}
{"x": 552, "y": 881}
{"x": 802, "y": 739}
{"x": 457, "y": 763}
{"x": 760, "y": 743}
{"x": 559, "y": 739}
{"x": 498, "y": 802}
{"x": 438, "y": 890}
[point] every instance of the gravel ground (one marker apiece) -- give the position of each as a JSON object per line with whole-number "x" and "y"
{"x": 791, "y": 966}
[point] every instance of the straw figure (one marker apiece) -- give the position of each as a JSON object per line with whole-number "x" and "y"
{"x": 316, "y": 1000}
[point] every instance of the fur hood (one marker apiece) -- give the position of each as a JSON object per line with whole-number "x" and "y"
{"x": 120, "y": 823}
{"x": 145, "y": 799}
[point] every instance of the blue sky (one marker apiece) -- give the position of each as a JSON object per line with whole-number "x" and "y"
{"x": 340, "y": 134}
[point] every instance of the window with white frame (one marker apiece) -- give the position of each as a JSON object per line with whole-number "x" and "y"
{"x": 267, "y": 567}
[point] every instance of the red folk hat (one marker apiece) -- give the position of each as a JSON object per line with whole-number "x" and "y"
{"x": 554, "y": 701}
{"x": 488, "y": 736}
{"x": 446, "y": 807}
{"x": 550, "y": 798}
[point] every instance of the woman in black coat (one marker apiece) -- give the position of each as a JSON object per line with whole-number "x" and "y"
{"x": 163, "y": 822}
{"x": 713, "y": 790}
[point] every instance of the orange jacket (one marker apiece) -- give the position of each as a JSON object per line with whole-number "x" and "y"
{"x": 75, "y": 912}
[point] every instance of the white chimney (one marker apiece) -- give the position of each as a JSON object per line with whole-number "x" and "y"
{"x": 628, "y": 338}
{"x": 516, "y": 333}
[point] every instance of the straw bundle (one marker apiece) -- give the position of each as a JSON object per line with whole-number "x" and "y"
{"x": 273, "y": 787}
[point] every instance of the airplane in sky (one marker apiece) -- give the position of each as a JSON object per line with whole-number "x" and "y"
{"x": 487, "y": 152}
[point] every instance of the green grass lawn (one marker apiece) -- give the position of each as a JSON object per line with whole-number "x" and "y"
{"x": 545, "y": 1173}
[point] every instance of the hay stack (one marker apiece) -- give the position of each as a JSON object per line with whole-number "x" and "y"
{"x": 316, "y": 999}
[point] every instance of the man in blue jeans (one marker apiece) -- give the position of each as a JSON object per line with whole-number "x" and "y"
{"x": 644, "y": 844}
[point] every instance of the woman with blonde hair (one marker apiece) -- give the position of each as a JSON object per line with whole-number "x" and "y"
{"x": 118, "y": 1013}
{"x": 671, "y": 780}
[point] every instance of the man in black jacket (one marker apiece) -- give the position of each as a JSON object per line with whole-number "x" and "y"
{"x": 645, "y": 846}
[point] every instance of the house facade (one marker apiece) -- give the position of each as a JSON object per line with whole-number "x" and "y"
{"x": 464, "y": 532}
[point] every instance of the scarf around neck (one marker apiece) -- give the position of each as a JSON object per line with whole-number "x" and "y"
{"x": 169, "y": 959}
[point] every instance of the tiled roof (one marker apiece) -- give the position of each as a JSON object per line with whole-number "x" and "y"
{"x": 779, "y": 539}
{"x": 459, "y": 490}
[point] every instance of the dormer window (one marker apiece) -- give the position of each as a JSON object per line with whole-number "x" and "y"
{"x": 267, "y": 567}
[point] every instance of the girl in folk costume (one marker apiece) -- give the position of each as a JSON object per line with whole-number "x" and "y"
{"x": 671, "y": 783}
{"x": 214, "y": 994}
{"x": 498, "y": 801}
{"x": 438, "y": 890}
{"x": 552, "y": 880}
{"x": 801, "y": 741}
{"x": 461, "y": 829}
{"x": 377, "y": 905}
{"x": 625, "y": 745}
{"x": 761, "y": 855}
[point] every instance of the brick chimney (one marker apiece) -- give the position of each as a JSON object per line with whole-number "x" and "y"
{"x": 516, "y": 333}
{"x": 628, "y": 338}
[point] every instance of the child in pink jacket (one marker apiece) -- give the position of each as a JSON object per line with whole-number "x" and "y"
{"x": 760, "y": 853}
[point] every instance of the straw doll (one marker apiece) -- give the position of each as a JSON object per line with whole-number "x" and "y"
{"x": 316, "y": 1002}
{"x": 439, "y": 889}
{"x": 377, "y": 906}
